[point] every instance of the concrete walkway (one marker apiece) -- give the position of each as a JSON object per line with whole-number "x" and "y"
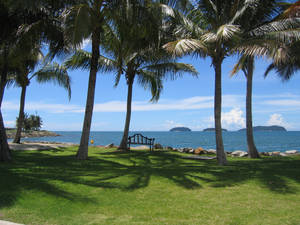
{"x": 2, "y": 222}
{"x": 38, "y": 146}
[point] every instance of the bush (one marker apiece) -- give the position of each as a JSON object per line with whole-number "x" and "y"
{"x": 31, "y": 122}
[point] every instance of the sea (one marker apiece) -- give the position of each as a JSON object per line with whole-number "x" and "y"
{"x": 266, "y": 141}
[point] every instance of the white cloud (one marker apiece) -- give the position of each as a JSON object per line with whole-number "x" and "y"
{"x": 233, "y": 118}
{"x": 287, "y": 101}
{"x": 283, "y": 102}
{"x": 9, "y": 123}
{"x": 230, "y": 120}
{"x": 193, "y": 103}
{"x": 277, "y": 119}
{"x": 39, "y": 106}
{"x": 197, "y": 102}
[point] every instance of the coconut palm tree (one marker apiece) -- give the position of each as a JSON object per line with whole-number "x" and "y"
{"x": 134, "y": 40}
{"x": 9, "y": 23}
{"x": 288, "y": 54}
{"x": 81, "y": 21}
{"x": 148, "y": 72}
{"x": 262, "y": 13}
{"x": 48, "y": 73}
{"x": 24, "y": 24}
{"x": 212, "y": 29}
{"x": 265, "y": 27}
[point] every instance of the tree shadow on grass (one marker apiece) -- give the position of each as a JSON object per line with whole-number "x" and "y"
{"x": 128, "y": 171}
{"x": 274, "y": 174}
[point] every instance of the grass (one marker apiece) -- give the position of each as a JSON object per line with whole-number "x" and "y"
{"x": 52, "y": 187}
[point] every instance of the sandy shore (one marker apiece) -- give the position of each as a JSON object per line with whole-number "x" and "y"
{"x": 38, "y": 146}
{"x": 55, "y": 145}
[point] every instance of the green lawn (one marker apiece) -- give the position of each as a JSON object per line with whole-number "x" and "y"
{"x": 51, "y": 187}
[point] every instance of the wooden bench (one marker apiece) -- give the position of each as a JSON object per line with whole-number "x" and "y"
{"x": 139, "y": 139}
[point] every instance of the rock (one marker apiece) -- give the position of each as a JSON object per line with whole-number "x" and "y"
{"x": 110, "y": 145}
{"x": 291, "y": 152}
{"x": 29, "y": 134}
{"x": 192, "y": 151}
{"x": 275, "y": 153}
{"x": 239, "y": 153}
{"x": 157, "y": 146}
{"x": 186, "y": 150}
{"x": 211, "y": 151}
{"x": 180, "y": 150}
{"x": 265, "y": 153}
{"x": 199, "y": 151}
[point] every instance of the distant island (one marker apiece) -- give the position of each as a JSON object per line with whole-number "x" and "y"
{"x": 212, "y": 129}
{"x": 180, "y": 129}
{"x": 266, "y": 128}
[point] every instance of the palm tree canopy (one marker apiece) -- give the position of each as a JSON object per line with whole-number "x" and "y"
{"x": 212, "y": 28}
{"x": 287, "y": 68}
{"x": 150, "y": 74}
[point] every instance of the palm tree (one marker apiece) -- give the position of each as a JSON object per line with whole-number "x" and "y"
{"x": 25, "y": 23}
{"x": 144, "y": 68}
{"x": 85, "y": 20}
{"x": 246, "y": 64}
{"x": 9, "y": 23}
{"x": 134, "y": 40}
{"x": 212, "y": 29}
{"x": 265, "y": 30}
{"x": 287, "y": 62}
{"x": 262, "y": 14}
{"x": 48, "y": 73}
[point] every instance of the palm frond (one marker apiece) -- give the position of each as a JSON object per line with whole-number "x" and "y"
{"x": 239, "y": 65}
{"x": 167, "y": 10}
{"x": 171, "y": 69}
{"x": 256, "y": 47}
{"x": 275, "y": 26}
{"x": 247, "y": 5}
{"x": 213, "y": 6}
{"x": 149, "y": 80}
{"x": 284, "y": 71}
{"x": 82, "y": 60}
{"x": 56, "y": 74}
{"x": 227, "y": 32}
{"x": 78, "y": 23}
{"x": 184, "y": 46}
{"x": 285, "y": 36}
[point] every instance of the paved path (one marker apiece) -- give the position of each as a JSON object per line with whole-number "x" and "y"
{"x": 38, "y": 146}
{"x": 2, "y": 222}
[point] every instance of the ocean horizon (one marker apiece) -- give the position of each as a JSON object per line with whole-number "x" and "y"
{"x": 266, "y": 141}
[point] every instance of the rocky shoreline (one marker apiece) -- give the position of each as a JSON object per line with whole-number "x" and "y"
{"x": 237, "y": 153}
{"x": 41, "y": 133}
{"x": 201, "y": 151}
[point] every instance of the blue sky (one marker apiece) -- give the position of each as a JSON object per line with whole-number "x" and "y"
{"x": 187, "y": 101}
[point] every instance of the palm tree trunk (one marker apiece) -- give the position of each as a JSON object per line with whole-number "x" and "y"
{"x": 17, "y": 138}
{"x": 252, "y": 150}
{"x": 5, "y": 155}
{"x": 4, "y": 148}
{"x": 221, "y": 156}
{"x": 82, "y": 152}
{"x": 123, "y": 144}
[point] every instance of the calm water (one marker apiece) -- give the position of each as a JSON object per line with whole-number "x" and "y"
{"x": 265, "y": 141}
